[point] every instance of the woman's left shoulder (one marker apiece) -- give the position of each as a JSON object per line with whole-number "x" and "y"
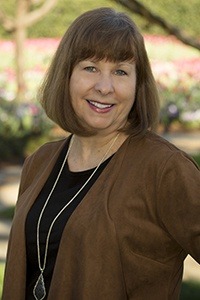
{"x": 156, "y": 148}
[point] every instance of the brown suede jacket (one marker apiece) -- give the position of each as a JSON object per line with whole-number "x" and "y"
{"x": 129, "y": 237}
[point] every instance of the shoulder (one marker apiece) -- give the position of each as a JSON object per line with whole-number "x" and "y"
{"x": 42, "y": 159}
{"x": 45, "y": 152}
{"x": 153, "y": 142}
{"x": 154, "y": 149}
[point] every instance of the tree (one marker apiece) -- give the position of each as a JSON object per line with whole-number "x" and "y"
{"x": 140, "y": 9}
{"x": 25, "y": 16}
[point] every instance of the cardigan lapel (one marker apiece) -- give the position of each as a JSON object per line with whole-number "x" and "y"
{"x": 94, "y": 207}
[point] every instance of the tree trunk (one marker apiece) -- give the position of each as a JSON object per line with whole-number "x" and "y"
{"x": 24, "y": 18}
{"x": 20, "y": 37}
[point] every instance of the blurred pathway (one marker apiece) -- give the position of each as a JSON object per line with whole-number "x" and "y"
{"x": 189, "y": 142}
{"x": 9, "y": 184}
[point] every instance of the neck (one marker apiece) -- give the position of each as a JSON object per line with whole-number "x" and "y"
{"x": 87, "y": 152}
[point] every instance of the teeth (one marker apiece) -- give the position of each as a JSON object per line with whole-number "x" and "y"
{"x": 100, "y": 105}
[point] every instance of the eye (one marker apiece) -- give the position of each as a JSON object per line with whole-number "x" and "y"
{"x": 90, "y": 69}
{"x": 120, "y": 72}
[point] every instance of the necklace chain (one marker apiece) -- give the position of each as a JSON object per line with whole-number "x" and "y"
{"x": 39, "y": 289}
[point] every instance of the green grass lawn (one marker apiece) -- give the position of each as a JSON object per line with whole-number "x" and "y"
{"x": 1, "y": 276}
{"x": 190, "y": 290}
{"x": 197, "y": 159}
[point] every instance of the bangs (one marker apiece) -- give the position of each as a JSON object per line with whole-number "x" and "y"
{"x": 112, "y": 44}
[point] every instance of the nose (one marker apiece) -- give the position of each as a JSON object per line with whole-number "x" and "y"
{"x": 104, "y": 84}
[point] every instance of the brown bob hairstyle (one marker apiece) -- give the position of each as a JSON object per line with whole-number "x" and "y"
{"x": 102, "y": 33}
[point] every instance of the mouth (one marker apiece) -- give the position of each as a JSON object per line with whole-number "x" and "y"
{"x": 100, "y": 105}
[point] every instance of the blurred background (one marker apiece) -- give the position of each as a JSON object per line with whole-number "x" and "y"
{"x": 30, "y": 31}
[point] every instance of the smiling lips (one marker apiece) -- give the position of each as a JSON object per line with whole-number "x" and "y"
{"x": 99, "y": 107}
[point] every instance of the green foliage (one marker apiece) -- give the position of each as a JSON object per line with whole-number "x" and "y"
{"x": 2, "y": 267}
{"x": 20, "y": 124}
{"x": 190, "y": 290}
{"x": 197, "y": 158}
{"x": 177, "y": 12}
{"x": 7, "y": 213}
{"x": 59, "y": 19}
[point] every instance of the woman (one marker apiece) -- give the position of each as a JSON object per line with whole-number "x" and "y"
{"x": 112, "y": 211}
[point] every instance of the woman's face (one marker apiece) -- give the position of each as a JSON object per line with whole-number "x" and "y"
{"x": 103, "y": 93}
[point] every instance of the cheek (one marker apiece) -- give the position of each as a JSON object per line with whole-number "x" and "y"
{"x": 73, "y": 89}
{"x": 130, "y": 93}
{"x": 71, "y": 86}
{"x": 130, "y": 98}
{"x": 130, "y": 104}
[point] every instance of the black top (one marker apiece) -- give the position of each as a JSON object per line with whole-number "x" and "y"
{"x": 68, "y": 184}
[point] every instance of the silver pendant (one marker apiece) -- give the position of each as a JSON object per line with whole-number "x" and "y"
{"x": 39, "y": 290}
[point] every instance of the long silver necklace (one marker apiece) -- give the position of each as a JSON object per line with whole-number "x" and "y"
{"x": 39, "y": 290}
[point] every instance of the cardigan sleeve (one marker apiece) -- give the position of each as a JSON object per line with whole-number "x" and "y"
{"x": 178, "y": 196}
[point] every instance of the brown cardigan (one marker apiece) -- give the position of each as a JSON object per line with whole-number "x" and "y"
{"x": 128, "y": 237}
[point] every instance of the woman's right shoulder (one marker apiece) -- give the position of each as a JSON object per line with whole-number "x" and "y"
{"x": 44, "y": 153}
{"x": 49, "y": 147}
{"x": 39, "y": 160}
